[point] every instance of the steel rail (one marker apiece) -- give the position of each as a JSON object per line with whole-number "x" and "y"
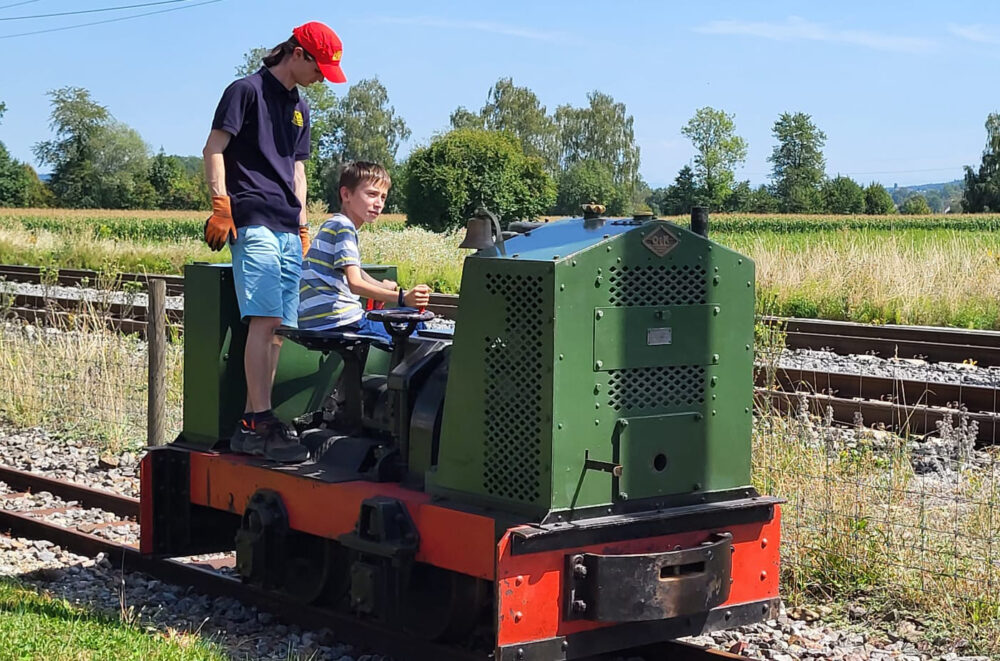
{"x": 900, "y": 404}
{"x": 364, "y": 635}
{"x": 86, "y": 278}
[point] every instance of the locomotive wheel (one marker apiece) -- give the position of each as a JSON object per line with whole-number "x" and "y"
{"x": 441, "y": 605}
{"x": 314, "y": 569}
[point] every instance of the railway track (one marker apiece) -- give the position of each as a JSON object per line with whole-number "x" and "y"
{"x": 205, "y": 578}
{"x": 899, "y": 404}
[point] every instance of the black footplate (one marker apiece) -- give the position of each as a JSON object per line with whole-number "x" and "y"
{"x": 648, "y": 586}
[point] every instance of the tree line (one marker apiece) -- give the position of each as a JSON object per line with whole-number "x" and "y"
{"x": 511, "y": 153}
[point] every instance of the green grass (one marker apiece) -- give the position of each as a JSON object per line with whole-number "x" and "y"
{"x": 36, "y": 626}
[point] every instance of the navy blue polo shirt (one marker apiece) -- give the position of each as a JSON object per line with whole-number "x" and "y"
{"x": 270, "y": 128}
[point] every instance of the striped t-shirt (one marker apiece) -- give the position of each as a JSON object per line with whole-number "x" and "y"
{"x": 325, "y": 299}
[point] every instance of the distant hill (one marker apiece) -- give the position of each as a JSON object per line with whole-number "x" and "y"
{"x": 942, "y": 198}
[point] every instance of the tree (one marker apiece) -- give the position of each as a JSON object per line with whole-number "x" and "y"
{"x": 121, "y": 162}
{"x": 982, "y": 188}
{"x": 678, "y": 198}
{"x": 798, "y": 167}
{"x": 720, "y": 150}
{"x": 843, "y": 195}
{"x": 517, "y": 111}
{"x": 75, "y": 119}
{"x": 600, "y": 132}
{"x": 463, "y": 118}
{"x": 915, "y": 205}
{"x": 448, "y": 179}
{"x": 14, "y": 181}
{"x": 584, "y": 182}
{"x": 762, "y": 201}
{"x": 174, "y": 186}
{"x": 878, "y": 202}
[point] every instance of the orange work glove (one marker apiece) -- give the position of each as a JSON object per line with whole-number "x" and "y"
{"x": 219, "y": 226}
{"x": 304, "y": 235}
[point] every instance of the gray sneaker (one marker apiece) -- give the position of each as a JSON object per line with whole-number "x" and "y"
{"x": 242, "y": 433}
{"x": 277, "y": 444}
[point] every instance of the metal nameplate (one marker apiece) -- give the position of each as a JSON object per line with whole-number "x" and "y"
{"x": 658, "y": 336}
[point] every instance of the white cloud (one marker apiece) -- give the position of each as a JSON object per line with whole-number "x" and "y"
{"x": 800, "y": 29}
{"x": 982, "y": 34}
{"x": 479, "y": 26}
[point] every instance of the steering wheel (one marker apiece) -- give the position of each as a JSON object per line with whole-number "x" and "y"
{"x": 400, "y": 322}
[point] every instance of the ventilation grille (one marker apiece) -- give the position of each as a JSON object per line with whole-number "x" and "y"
{"x": 649, "y": 388}
{"x": 657, "y": 285}
{"x": 513, "y": 380}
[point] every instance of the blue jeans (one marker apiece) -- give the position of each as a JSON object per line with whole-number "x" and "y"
{"x": 366, "y": 326}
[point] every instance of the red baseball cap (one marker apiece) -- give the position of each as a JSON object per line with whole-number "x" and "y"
{"x": 323, "y": 44}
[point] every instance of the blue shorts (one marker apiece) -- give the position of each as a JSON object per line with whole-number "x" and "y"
{"x": 267, "y": 266}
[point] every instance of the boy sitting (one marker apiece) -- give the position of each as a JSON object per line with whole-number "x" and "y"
{"x": 332, "y": 280}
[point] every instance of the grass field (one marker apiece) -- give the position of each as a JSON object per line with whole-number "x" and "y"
{"x": 36, "y": 626}
{"x": 935, "y": 270}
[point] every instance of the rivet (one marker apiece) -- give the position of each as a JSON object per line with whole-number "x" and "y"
{"x": 763, "y": 575}
{"x": 715, "y": 358}
{"x": 714, "y": 380}
{"x": 520, "y": 652}
{"x": 623, "y": 495}
{"x": 517, "y": 616}
{"x": 565, "y": 645}
{"x": 559, "y": 426}
{"x": 519, "y": 580}
{"x": 560, "y": 356}
{"x": 748, "y": 347}
{"x": 599, "y": 314}
{"x": 729, "y": 614}
{"x": 597, "y": 422}
{"x": 697, "y": 486}
{"x": 713, "y": 411}
{"x": 749, "y": 284}
{"x": 597, "y": 388}
{"x": 746, "y": 409}
{"x": 562, "y": 287}
{"x": 739, "y": 261}
{"x": 714, "y": 396}
{"x": 609, "y": 248}
{"x": 763, "y": 542}
{"x": 573, "y": 262}
{"x": 715, "y": 311}
{"x": 599, "y": 364}
{"x": 716, "y": 280}
{"x": 597, "y": 405}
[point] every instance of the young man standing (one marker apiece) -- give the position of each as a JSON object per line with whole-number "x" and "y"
{"x": 254, "y": 162}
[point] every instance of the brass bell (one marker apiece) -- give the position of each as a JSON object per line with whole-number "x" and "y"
{"x": 482, "y": 231}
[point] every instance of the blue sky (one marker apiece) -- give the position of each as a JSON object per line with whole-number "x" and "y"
{"x": 902, "y": 89}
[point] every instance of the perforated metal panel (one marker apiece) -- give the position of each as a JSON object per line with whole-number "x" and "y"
{"x": 646, "y": 389}
{"x": 513, "y": 381}
{"x": 657, "y": 285}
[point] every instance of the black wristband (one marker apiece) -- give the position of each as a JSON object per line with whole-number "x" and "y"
{"x": 400, "y": 297}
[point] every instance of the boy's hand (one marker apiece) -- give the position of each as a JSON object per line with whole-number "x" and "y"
{"x": 220, "y": 226}
{"x": 304, "y": 236}
{"x": 418, "y": 297}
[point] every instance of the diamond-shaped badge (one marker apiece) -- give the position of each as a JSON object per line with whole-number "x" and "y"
{"x": 660, "y": 241}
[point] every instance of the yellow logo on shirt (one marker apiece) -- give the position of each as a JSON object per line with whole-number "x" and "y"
{"x": 297, "y": 118}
